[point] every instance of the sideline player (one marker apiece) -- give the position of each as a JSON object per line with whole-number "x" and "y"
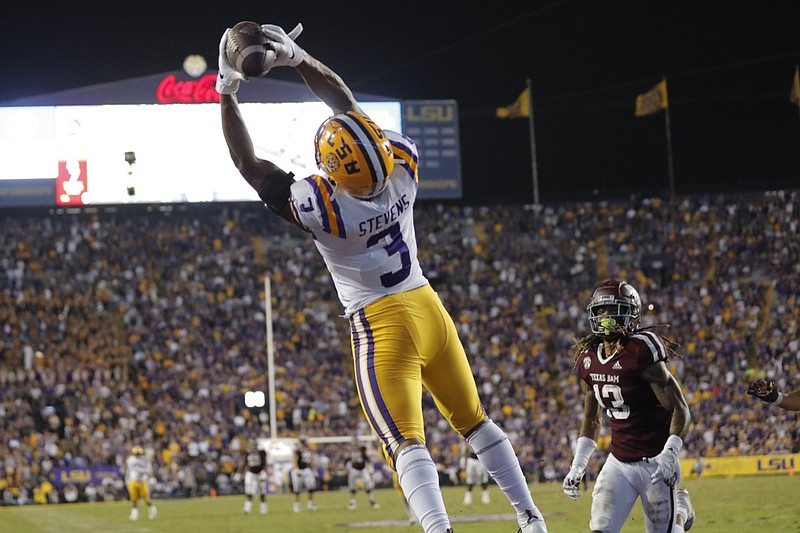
{"x": 359, "y": 211}
{"x": 254, "y": 467}
{"x": 625, "y": 372}
{"x": 359, "y": 474}
{"x": 475, "y": 474}
{"x": 138, "y": 472}
{"x": 302, "y": 475}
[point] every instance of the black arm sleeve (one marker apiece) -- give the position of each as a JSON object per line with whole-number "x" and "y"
{"x": 274, "y": 191}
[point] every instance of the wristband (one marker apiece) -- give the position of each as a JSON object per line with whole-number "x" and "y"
{"x": 674, "y": 443}
{"x": 584, "y": 449}
{"x": 779, "y": 400}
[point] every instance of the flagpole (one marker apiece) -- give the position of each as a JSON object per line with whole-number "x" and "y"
{"x": 669, "y": 149}
{"x": 534, "y": 167}
{"x": 797, "y": 73}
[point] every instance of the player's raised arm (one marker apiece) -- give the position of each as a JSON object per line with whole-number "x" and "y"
{"x": 323, "y": 82}
{"x": 269, "y": 181}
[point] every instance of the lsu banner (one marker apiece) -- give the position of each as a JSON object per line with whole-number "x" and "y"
{"x": 90, "y": 475}
{"x": 740, "y": 466}
{"x": 653, "y": 100}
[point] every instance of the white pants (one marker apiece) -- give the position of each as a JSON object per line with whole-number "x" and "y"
{"x": 359, "y": 477}
{"x": 476, "y": 474}
{"x": 303, "y": 480}
{"x": 253, "y": 484}
{"x": 617, "y": 488}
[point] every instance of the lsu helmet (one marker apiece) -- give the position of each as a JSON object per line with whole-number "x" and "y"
{"x": 355, "y": 153}
{"x": 623, "y": 304}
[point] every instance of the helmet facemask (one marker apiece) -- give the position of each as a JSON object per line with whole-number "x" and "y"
{"x": 614, "y": 309}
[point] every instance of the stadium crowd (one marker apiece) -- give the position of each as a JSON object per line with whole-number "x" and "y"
{"x": 147, "y": 325}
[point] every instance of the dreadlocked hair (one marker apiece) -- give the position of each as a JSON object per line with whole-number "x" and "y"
{"x": 618, "y": 338}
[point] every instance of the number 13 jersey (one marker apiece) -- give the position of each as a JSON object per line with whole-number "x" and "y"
{"x": 369, "y": 246}
{"x": 639, "y": 423}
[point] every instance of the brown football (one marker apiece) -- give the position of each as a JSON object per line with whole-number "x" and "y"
{"x": 247, "y": 51}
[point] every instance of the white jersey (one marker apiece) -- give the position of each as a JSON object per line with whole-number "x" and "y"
{"x": 369, "y": 246}
{"x": 137, "y": 468}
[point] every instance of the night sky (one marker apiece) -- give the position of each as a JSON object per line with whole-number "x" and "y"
{"x": 729, "y": 68}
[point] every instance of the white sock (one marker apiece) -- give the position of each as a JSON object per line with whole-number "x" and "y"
{"x": 263, "y": 508}
{"x": 134, "y": 513}
{"x": 419, "y": 480}
{"x": 247, "y": 506}
{"x": 497, "y": 455}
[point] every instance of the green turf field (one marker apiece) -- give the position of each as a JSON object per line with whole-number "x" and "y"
{"x": 746, "y": 504}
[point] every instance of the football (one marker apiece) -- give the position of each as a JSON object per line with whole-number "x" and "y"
{"x": 247, "y": 50}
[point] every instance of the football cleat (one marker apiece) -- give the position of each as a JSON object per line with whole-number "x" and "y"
{"x": 535, "y": 525}
{"x": 352, "y": 506}
{"x": 152, "y": 512}
{"x": 355, "y": 153}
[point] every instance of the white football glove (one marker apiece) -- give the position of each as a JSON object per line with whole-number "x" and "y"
{"x": 228, "y": 78}
{"x": 667, "y": 461}
{"x": 287, "y": 52}
{"x": 583, "y": 451}
{"x": 572, "y": 483}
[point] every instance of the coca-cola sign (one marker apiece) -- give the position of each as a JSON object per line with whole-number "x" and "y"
{"x": 171, "y": 90}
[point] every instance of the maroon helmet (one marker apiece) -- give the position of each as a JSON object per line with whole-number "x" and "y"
{"x": 614, "y": 308}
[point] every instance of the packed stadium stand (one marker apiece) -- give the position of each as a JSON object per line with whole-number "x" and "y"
{"x": 145, "y": 326}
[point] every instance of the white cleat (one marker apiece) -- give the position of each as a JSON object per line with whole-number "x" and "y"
{"x": 152, "y": 512}
{"x": 534, "y": 525}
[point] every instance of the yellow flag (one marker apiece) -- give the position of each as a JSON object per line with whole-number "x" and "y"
{"x": 519, "y": 109}
{"x": 653, "y": 100}
{"x": 794, "y": 96}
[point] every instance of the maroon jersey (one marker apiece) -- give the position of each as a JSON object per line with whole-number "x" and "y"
{"x": 358, "y": 458}
{"x": 639, "y": 424}
{"x": 256, "y": 461}
{"x": 302, "y": 457}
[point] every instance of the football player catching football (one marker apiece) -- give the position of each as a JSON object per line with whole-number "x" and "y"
{"x": 359, "y": 211}
{"x": 624, "y": 369}
{"x": 767, "y": 391}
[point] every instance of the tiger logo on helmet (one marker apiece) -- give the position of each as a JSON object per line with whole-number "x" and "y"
{"x": 355, "y": 153}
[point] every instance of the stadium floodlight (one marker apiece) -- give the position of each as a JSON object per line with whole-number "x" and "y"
{"x": 255, "y": 399}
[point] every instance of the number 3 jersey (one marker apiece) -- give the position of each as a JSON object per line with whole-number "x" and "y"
{"x": 639, "y": 423}
{"x": 369, "y": 245}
